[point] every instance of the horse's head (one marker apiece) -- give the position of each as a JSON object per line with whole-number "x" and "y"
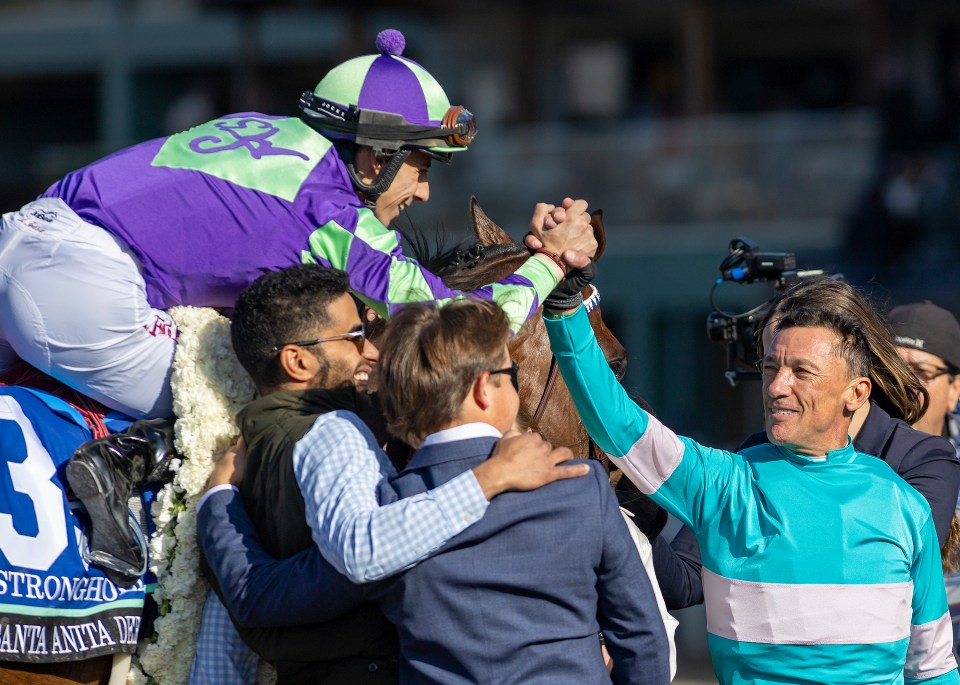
{"x": 545, "y": 402}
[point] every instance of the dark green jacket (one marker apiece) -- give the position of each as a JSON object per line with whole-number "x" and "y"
{"x": 359, "y": 647}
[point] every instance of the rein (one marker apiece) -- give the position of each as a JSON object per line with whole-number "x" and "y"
{"x": 470, "y": 258}
{"x": 589, "y": 304}
{"x": 547, "y": 389}
{"x": 594, "y": 452}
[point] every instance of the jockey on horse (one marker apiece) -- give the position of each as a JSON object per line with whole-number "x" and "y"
{"x": 89, "y": 269}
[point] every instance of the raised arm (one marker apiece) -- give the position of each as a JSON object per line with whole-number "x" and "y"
{"x": 384, "y": 278}
{"x": 339, "y": 468}
{"x": 689, "y": 480}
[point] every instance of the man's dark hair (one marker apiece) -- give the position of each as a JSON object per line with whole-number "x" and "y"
{"x": 278, "y": 308}
{"x": 852, "y": 345}
{"x": 429, "y": 359}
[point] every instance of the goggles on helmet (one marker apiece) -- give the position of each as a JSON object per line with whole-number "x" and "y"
{"x": 386, "y": 129}
{"x": 462, "y": 124}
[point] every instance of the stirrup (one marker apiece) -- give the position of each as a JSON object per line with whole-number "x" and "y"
{"x": 121, "y": 572}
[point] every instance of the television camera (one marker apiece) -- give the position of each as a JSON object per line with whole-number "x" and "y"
{"x": 739, "y": 332}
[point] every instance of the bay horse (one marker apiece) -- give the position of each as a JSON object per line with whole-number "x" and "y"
{"x": 545, "y": 403}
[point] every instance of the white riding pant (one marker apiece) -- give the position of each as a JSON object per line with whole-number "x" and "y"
{"x": 73, "y": 304}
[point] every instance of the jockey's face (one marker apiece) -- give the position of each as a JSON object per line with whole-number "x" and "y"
{"x": 409, "y": 185}
{"x": 338, "y": 362}
{"x": 808, "y": 392}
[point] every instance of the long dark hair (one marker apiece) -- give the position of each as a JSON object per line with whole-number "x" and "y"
{"x": 896, "y": 388}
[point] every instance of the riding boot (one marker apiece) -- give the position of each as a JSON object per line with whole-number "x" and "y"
{"x": 158, "y": 433}
{"x": 102, "y": 474}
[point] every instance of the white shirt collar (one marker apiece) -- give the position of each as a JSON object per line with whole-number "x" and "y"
{"x": 462, "y": 432}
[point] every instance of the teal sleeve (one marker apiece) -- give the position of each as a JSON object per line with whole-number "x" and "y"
{"x": 931, "y": 631}
{"x": 929, "y": 595}
{"x": 611, "y": 418}
{"x": 693, "y": 482}
{"x": 384, "y": 278}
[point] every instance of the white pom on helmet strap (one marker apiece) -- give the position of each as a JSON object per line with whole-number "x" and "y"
{"x": 591, "y": 302}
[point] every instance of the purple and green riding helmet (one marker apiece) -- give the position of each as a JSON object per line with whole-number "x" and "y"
{"x": 390, "y": 103}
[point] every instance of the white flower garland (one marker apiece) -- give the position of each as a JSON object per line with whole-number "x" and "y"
{"x": 209, "y": 388}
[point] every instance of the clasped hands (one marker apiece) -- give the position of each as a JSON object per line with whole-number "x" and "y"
{"x": 565, "y": 231}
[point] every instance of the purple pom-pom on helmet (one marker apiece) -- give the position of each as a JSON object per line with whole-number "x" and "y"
{"x": 391, "y": 42}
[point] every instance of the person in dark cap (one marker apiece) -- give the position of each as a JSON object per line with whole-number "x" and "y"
{"x": 928, "y": 339}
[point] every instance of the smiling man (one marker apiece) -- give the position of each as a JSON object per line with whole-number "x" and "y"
{"x": 409, "y": 185}
{"x": 89, "y": 270}
{"x": 807, "y": 407}
{"x": 820, "y": 564}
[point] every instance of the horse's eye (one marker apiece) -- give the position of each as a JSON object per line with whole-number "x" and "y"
{"x": 619, "y": 368}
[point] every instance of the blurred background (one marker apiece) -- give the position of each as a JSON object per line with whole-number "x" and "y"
{"x": 827, "y": 128}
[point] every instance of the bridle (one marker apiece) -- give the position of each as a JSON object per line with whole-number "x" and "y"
{"x": 553, "y": 373}
{"x": 470, "y": 258}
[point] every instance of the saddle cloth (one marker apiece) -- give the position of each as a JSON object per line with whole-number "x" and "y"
{"x": 53, "y": 606}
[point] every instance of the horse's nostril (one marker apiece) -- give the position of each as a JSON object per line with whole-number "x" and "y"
{"x": 619, "y": 368}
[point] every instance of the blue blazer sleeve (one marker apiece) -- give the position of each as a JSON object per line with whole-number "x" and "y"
{"x": 627, "y": 610}
{"x": 258, "y": 590}
{"x": 678, "y": 567}
{"x": 932, "y": 468}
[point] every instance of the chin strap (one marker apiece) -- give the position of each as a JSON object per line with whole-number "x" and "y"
{"x": 371, "y": 191}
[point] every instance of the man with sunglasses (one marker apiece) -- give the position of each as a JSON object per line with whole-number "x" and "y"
{"x": 314, "y": 465}
{"x": 928, "y": 340}
{"x": 518, "y": 597}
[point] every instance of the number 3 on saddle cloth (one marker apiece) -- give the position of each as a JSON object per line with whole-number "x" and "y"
{"x": 54, "y": 605}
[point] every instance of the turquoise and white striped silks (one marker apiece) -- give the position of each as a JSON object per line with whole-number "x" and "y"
{"x": 816, "y": 570}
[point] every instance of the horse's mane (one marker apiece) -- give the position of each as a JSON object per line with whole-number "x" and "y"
{"x": 460, "y": 266}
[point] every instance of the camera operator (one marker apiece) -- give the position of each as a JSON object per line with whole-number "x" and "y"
{"x": 880, "y": 427}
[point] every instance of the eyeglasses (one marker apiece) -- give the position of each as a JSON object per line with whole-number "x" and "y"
{"x": 929, "y": 372}
{"x": 513, "y": 370}
{"x": 358, "y": 338}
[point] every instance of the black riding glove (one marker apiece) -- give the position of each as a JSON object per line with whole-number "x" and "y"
{"x": 568, "y": 293}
